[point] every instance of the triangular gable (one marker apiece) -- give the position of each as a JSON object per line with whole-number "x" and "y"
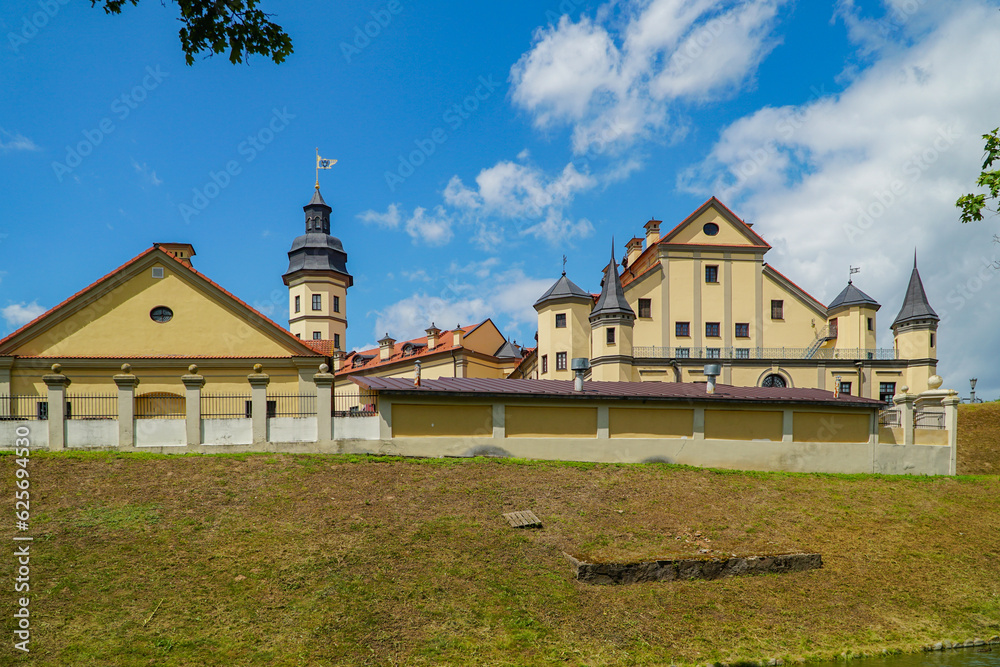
{"x": 810, "y": 301}
{"x": 484, "y": 338}
{"x": 112, "y": 318}
{"x": 731, "y": 230}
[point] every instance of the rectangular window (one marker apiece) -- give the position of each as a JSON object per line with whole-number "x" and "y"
{"x": 742, "y": 329}
{"x": 886, "y": 390}
{"x": 682, "y": 329}
{"x": 317, "y": 336}
{"x": 560, "y": 320}
{"x": 845, "y": 388}
{"x": 298, "y": 304}
{"x": 741, "y": 353}
{"x": 777, "y": 309}
{"x": 834, "y": 327}
{"x": 932, "y": 340}
{"x": 711, "y": 274}
{"x": 645, "y": 308}
{"x": 712, "y": 329}
{"x": 317, "y": 302}
{"x": 871, "y": 324}
{"x": 336, "y": 304}
{"x": 560, "y": 361}
{"x": 683, "y": 352}
{"x": 610, "y": 335}
{"x": 545, "y": 363}
{"x": 712, "y": 353}
{"x": 336, "y": 341}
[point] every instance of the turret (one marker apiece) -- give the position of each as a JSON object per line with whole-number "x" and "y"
{"x": 851, "y": 319}
{"x": 563, "y": 330}
{"x": 915, "y": 333}
{"x": 611, "y": 322}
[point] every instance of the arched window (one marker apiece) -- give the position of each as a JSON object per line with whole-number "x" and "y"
{"x": 773, "y": 380}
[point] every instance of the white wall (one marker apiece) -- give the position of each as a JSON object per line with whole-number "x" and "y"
{"x": 38, "y": 435}
{"x": 356, "y": 428}
{"x": 291, "y": 429}
{"x": 92, "y": 433}
{"x": 159, "y": 432}
{"x": 237, "y": 431}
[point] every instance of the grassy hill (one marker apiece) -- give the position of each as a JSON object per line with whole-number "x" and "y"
{"x": 317, "y": 560}
{"x": 979, "y": 439}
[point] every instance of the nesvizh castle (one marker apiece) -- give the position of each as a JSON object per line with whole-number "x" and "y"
{"x": 699, "y": 293}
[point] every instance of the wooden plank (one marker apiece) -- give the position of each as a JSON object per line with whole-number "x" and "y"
{"x": 522, "y": 519}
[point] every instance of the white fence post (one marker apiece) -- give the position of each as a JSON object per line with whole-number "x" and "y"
{"x": 57, "y": 383}
{"x": 126, "y": 382}
{"x": 192, "y": 402}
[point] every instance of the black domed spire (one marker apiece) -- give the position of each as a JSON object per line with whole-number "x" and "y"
{"x": 316, "y": 250}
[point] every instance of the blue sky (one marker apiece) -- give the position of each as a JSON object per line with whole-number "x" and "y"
{"x": 478, "y": 143}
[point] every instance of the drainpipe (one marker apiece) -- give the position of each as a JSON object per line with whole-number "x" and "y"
{"x": 861, "y": 377}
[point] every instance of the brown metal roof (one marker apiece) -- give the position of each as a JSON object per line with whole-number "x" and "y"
{"x": 666, "y": 391}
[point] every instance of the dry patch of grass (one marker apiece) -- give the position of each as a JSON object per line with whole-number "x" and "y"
{"x": 979, "y": 439}
{"x": 309, "y": 560}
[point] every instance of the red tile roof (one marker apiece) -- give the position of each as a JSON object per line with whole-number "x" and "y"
{"x": 445, "y": 343}
{"x": 685, "y": 391}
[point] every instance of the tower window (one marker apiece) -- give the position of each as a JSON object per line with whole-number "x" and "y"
{"x": 317, "y": 336}
{"x": 932, "y": 340}
{"x": 871, "y": 324}
{"x": 317, "y": 302}
{"x": 742, "y": 329}
{"x": 336, "y": 304}
{"x": 336, "y": 341}
{"x": 610, "y": 335}
{"x": 645, "y": 308}
{"x": 298, "y": 304}
{"x": 777, "y": 309}
{"x": 712, "y": 329}
{"x": 560, "y": 361}
{"x": 560, "y": 320}
{"x": 711, "y": 274}
{"x": 545, "y": 363}
{"x": 682, "y": 329}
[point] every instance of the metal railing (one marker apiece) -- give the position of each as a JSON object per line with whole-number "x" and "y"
{"x": 355, "y": 404}
{"x": 24, "y": 408}
{"x": 160, "y": 406}
{"x": 225, "y": 406}
{"x": 291, "y": 405}
{"x": 890, "y": 417}
{"x": 764, "y": 353}
{"x": 929, "y": 420}
{"x": 92, "y": 406}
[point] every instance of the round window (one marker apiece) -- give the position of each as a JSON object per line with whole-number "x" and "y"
{"x": 773, "y": 380}
{"x": 710, "y": 228}
{"x": 161, "y": 314}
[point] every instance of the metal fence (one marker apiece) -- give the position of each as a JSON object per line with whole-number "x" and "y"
{"x": 291, "y": 405}
{"x": 160, "y": 406}
{"x": 929, "y": 419}
{"x": 764, "y": 353}
{"x": 890, "y": 418}
{"x": 24, "y": 408}
{"x": 355, "y": 404}
{"x": 92, "y": 406}
{"x": 225, "y": 406}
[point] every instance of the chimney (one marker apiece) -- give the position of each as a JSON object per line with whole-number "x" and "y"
{"x": 712, "y": 371}
{"x": 652, "y": 232}
{"x": 457, "y": 336}
{"x": 634, "y": 248}
{"x": 579, "y": 366}
{"x": 432, "y": 336}
{"x": 338, "y": 359}
{"x": 385, "y": 347}
{"x": 416, "y": 373}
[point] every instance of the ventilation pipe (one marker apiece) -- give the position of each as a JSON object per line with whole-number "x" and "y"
{"x": 579, "y": 365}
{"x": 712, "y": 371}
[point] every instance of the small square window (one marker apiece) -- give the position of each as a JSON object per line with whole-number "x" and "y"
{"x": 712, "y": 329}
{"x": 682, "y": 329}
{"x": 886, "y": 390}
{"x": 845, "y": 388}
{"x": 777, "y": 309}
{"x": 645, "y": 308}
{"x": 683, "y": 352}
{"x": 711, "y": 274}
{"x": 713, "y": 352}
{"x": 742, "y": 329}
{"x": 610, "y": 335}
{"x": 741, "y": 353}
{"x": 560, "y": 320}
{"x": 560, "y": 361}
{"x": 317, "y": 336}
{"x": 545, "y": 363}
{"x": 157, "y": 271}
{"x": 336, "y": 304}
{"x": 317, "y": 302}
{"x": 298, "y": 304}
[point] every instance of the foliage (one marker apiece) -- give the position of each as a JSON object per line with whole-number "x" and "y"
{"x": 972, "y": 205}
{"x": 218, "y": 25}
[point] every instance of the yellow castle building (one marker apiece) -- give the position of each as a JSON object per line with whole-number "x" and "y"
{"x": 703, "y": 294}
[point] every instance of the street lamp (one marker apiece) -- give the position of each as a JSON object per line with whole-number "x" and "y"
{"x": 972, "y": 396}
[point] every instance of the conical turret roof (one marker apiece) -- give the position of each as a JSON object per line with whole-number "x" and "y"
{"x": 612, "y": 301}
{"x": 915, "y": 304}
{"x": 852, "y": 296}
{"x": 564, "y": 288}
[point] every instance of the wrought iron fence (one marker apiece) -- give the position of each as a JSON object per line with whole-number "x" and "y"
{"x": 826, "y": 354}
{"x": 930, "y": 419}
{"x": 225, "y": 406}
{"x": 160, "y": 406}
{"x": 291, "y": 405}
{"x": 92, "y": 406}
{"x": 890, "y": 417}
{"x": 355, "y": 404}
{"x": 24, "y": 408}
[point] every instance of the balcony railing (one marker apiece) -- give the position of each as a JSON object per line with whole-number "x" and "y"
{"x": 765, "y": 353}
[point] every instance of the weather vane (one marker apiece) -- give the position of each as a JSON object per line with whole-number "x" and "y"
{"x": 854, "y": 269}
{"x": 322, "y": 164}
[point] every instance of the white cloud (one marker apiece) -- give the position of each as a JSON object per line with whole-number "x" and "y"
{"x": 865, "y": 176}
{"x": 430, "y": 228}
{"x": 19, "y": 314}
{"x": 613, "y": 86}
{"x": 148, "y": 175}
{"x": 15, "y": 141}
{"x": 389, "y": 219}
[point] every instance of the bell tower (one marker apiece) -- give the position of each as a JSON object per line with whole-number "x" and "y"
{"x": 317, "y": 279}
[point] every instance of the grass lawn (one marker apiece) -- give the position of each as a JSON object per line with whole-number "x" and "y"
{"x": 329, "y": 560}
